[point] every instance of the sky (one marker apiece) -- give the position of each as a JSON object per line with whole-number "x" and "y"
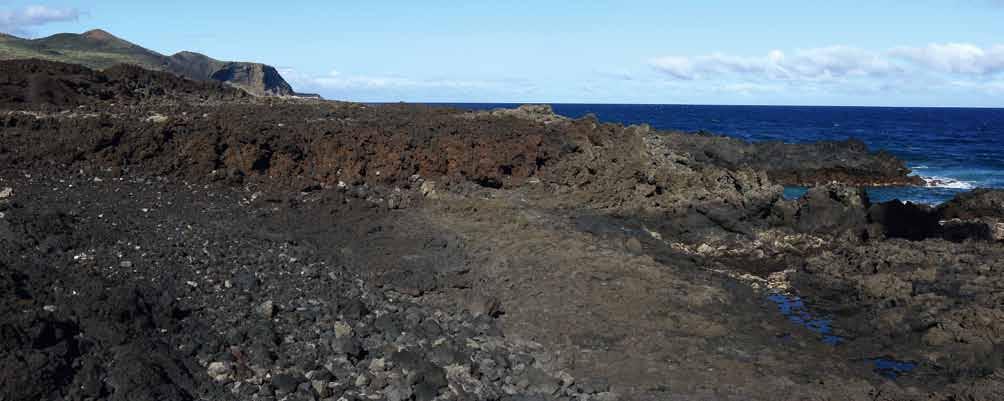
{"x": 866, "y": 53}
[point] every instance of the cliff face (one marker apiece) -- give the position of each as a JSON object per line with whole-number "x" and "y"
{"x": 98, "y": 49}
{"x": 256, "y": 79}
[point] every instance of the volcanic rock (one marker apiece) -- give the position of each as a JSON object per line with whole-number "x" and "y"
{"x": 832, "y": 209}
{"x": 905, "y": 220}
{"x": 849, "y": 162}
{"x": 974, "y": 204}
{"x": 282, "y": 202}
{"x": 285, "y": 382}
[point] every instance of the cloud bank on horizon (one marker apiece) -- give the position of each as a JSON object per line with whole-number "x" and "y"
{"x": 957, "y": 64}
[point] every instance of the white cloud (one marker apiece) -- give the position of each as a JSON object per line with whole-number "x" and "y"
{"x": 839, "y": 62}
{"x": 956, "y": 69}
{"x": 826, "y": 63}
{"x": 844, "y": 69}
{"x": 337, "y": 80}
{"x": 989, "y": 88}
{"x": 955, "y": 58}
{"x": 677, "y": 67}
{"x": 746, "y": 88}
{"x": 20, "y": 21}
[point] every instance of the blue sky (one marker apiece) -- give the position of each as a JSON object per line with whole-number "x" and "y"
{"x": 879, "y": 52}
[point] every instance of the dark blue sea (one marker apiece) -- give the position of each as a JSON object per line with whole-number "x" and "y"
{"x": 954, "y": 149}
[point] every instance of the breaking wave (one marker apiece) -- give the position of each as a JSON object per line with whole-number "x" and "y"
{"x": 946, "y": 182}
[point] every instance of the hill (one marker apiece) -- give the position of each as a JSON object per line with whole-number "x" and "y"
{"x": 98, "y": 49}
{"x": 38, "y": 85}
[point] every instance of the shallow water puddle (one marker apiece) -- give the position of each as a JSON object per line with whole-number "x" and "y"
{"x": 892, "y": 368}
{"x": 795, "y": 310}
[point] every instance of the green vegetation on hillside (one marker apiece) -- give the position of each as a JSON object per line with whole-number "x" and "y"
{"x": 98, "y": 49}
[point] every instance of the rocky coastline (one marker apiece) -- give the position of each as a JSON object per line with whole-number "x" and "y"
{"x": 162, "y": 238}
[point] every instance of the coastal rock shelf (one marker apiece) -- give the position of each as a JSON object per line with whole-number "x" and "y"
{"x": 849, "y": 162}
{"x": 162, "y": 238}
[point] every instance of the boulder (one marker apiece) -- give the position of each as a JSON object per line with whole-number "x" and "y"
{"x": 905, "y": 220}
{"x": 974, "y": 204}
{"x": 974, "y": 215}
{"x": 833, "y": 209}
{"x": 982, "y": 229}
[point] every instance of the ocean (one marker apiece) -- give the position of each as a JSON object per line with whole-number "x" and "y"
{"x": 953, "y": 149}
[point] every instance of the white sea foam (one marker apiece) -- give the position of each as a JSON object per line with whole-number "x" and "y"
{"x": 921, "y": 167}
{"x": 947, "y": 182}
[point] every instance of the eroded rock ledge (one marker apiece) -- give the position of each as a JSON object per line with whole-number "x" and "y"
{"x": 806, "y": 164}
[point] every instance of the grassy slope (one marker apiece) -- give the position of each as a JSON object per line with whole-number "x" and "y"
{"x": 94, "y": 49}
{"x": 98, "y": 49}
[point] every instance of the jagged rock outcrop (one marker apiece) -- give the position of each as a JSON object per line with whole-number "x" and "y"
{"x": 849, "y": 162}
{"x": 978, "y": 214}
{"x": 805, "y": 164}
{"x": 543, "y": 113}
{"x": 905, "y": 220}
{"x": 977, "y": 203}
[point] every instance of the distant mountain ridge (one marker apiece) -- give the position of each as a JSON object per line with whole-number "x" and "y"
{"x": 98, "y": 49}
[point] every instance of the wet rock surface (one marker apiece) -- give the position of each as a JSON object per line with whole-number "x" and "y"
{"x": 193, "y": 247}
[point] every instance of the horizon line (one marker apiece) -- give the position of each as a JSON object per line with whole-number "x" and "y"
{"x": 674, "y": 104}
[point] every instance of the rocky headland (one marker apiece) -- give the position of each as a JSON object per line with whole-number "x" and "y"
{"x": 163, "y": 238}
{"x": 101, "y": 50}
